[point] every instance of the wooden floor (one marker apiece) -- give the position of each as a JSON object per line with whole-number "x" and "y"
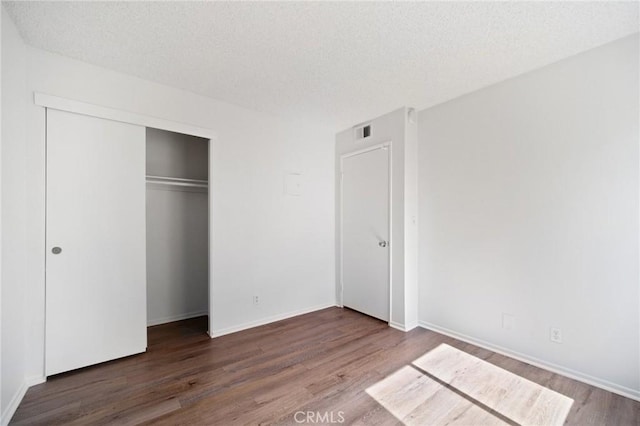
{"x": 320, "y": 364}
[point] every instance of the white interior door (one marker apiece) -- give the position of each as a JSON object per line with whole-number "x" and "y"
{"x": 365, "y": 232}
{"x": 96, "y": 256}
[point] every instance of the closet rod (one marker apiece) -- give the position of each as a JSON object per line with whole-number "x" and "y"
{"x": 165, "y": 180}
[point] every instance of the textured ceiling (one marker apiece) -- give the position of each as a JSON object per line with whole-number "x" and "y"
{"x": 337, "y": 63}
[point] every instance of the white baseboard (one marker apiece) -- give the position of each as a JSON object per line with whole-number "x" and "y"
{"x": 173, "y": 318}
{"x": 268, "y": 320}
{"x": 402, "y": 327}
{"x": 11, "y": 408}
{"x": 35, "y": 380}
{"x": 554, "y": 368}
{"x": 397, "y": 326}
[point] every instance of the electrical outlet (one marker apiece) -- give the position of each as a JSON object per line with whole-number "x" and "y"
{"x": 555, "y": 335}
{"x": 256, "y": 300}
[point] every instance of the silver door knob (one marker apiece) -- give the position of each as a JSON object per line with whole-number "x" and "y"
{"x": 56, "y": 250}
{"x": 382, "y": 244}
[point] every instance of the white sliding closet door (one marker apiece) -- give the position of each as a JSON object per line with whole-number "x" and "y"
{"x": 96, "y": 255}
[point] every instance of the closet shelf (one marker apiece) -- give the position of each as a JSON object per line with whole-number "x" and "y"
{"x": 177, "y": 182}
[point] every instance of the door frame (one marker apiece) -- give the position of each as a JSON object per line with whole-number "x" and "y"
{"x": 98, "y": 111}
{"x": 388, "y": 146}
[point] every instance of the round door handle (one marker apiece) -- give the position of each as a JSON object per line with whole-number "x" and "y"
{"x": 56, "y": 250}
{"x": 382, "y": 244}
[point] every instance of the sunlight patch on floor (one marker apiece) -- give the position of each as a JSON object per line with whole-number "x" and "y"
{"x": 449, "y": 386}
{"x": 415, "y": 399}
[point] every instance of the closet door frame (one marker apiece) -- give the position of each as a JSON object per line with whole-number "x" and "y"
{"x": 98, "y": 111}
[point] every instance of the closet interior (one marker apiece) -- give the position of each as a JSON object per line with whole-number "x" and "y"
{"x": 177, "y": 222}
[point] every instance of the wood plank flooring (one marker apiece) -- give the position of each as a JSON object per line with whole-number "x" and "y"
{"x": 323, "y": 367}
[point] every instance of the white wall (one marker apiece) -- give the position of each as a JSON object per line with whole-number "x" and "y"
{"x": 393, "y": 127}
{"x": 177, "y": 255}
{"x": 529, "y": 206}
{"x": 14, "y": 245}
{"x": 177, "y": 229}
{"x": 265, "y": 243}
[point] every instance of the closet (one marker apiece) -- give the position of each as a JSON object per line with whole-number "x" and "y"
{"x": 177, "y": 228}
{"x": 127, "y": 231}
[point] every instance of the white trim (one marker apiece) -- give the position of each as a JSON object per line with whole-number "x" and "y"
{"x": 78, "y": 107}
{"x": 268, "y": 320}
{"x": 11, "y": 408}
{"x": 178, "y": 317}
{"x": 363, "y": 151}
{"x": 554, "y": 368}
{"x": 402, "y": 327}
{"x": 391, "y": 243}
{"x": 210, "y": 237}
{"x": 341, "y": 301}
{"x": 35, "y": 380}
{"x": 397, "y": 326}
{"x": 411, "y": 326}
{"x": 389, "y": 146}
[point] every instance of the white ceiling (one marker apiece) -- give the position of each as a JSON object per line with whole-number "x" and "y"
{"x": 337, "y": 63}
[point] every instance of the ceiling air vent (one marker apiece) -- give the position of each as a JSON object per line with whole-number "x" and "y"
{"x": 363, "y": 132}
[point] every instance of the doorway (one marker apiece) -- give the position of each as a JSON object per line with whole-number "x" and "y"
{"x": 177, "y": 227}
{"x": 365, "y": 231}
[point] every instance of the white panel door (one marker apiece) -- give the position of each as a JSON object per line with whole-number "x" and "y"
{"x": 96, "y": 255}
{"x": 365, "y": 232}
